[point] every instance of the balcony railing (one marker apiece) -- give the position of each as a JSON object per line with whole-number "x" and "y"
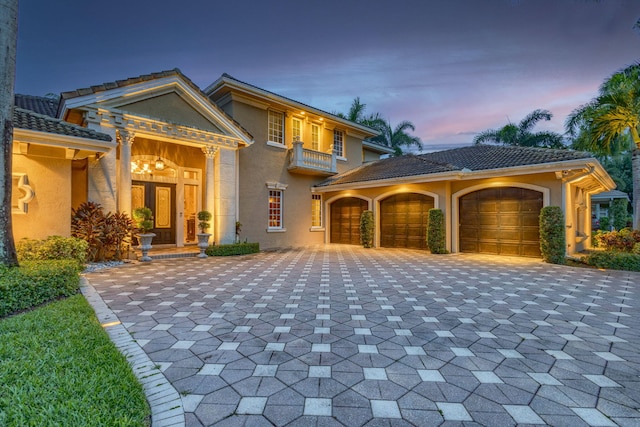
{"x": 311, "y": 162}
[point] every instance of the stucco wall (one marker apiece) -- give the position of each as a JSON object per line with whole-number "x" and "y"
{"x": 49, "y": 212}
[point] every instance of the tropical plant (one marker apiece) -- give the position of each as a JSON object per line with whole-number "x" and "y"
{"x": 143, "y": 218}
{"x": 552, "y": 236}
{"x": 521, "y": 134}
{"x": 8, "y": 43}
{"x": 366, "y": 229}
{"x": 398, "y": 137}
{"x": 356, "y": 115}
{"x": 108, "y": 235}
{"x": 204, "y": 217}
{"x": 436, "y": 232}
{"x": 602, "y": 125}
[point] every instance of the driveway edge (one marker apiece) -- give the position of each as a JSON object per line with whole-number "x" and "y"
{"x": 164, "y": 400}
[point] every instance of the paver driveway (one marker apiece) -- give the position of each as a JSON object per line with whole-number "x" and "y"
{"x": 339, "y": 335}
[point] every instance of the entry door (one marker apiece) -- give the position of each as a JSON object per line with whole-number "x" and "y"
{"x": 161, "y": 199}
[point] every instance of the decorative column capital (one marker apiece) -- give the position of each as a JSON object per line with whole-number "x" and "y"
{"x": 209, "y": 152}
{"x": 125, "y": 137}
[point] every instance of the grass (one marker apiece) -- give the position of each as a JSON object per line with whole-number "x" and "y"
{"x": 58, "y": 367}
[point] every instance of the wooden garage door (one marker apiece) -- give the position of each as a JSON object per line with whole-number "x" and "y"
{"x": 345, "y": 220}
{"x": 403, "y": 221}
{"x": 503, "y": 221}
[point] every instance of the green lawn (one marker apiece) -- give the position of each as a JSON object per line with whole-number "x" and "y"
{"x": 59, "y": 368}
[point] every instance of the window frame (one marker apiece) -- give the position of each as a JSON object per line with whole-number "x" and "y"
{"x": 315, "y": 144}
{"x": 294, "y": 121}
{"x": 338, "y": 141}
{"x": 275, "y": 128}
{"x": 316, "y": 212}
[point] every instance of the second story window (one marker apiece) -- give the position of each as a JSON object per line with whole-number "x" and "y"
{"x": 315, "y": 137}
{"x": 338, "y": 142}
{"x": 296, "y": 129}
{"x": 276, "y": 127}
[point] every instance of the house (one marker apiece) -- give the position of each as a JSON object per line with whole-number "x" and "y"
{"x": 290, "y": 173}
{"x": 600, "y": 204}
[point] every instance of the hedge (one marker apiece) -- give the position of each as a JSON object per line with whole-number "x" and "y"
{"x": 613, "y": 260}
{"x": 52, "y": 248}
{"x": 436, "y": 232}
{"x": 36, "y": 282}
{"x": 366, "y": 229}
{"x": 552, "y": 236}
{"x": 233, "y": 249}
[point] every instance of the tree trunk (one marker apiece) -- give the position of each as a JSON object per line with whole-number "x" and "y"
{"x": 635, "y": 168}
{"x": 8, "y": 41}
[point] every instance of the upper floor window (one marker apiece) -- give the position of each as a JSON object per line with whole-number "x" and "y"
{"x": 276, "y": 127}
{"x": 315, "y": 137}
{"x": 338, "y": 142}
{"x": 296, "y": 129}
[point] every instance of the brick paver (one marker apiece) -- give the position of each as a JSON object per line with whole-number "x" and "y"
{"x": 340, "y": 335}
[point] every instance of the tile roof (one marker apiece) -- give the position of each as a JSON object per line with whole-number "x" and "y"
{"x": 147, "y": 77}
{"x": 37, "y": 104}
{"x": 25, "y": 119}
{"x": 473, "y": 158}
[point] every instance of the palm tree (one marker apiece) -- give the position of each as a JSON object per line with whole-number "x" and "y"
{"x": 603, "y": 124}
{"x": 521, "y": 134}
{"x": 397, "y": 137}
{"x": 356, "y": 115}
{"x": 8, "y": 36}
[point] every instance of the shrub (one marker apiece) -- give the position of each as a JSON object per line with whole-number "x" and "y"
{"x": 636, "y": 248}
{"x": 552, "y": 237}
{"x": 619, "y": 214}
{"x": 366, "y": 229}
{"x": 233, "y": 249}
{"x": 36, "y": 282}
{"x": 204, "y": 217}
{"x": 143, "y": 218}
{"x": 108, "y": 235}
{"x": 605, "y": 224}
{"x": 614, "y": 260}
{"x": 623, "y": 240}
{"x": 436, "y": 232}
{"x": 53, "y": 248}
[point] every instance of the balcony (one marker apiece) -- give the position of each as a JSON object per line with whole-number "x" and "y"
{"x": 311, "y": 162}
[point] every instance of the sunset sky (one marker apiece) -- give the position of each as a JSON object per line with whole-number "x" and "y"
{"x": 453, "y": 67}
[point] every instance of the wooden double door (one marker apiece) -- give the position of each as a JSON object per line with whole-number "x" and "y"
{"x": 161, "y": 199}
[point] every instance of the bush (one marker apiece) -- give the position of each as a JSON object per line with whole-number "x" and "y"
{"x": 619, "y": 213}
{"x": 108, "y": 235}
{"x": 552, "y": 237}
{"x": 36, "y": 282}
{"x": 143, "y": 218}
{"x": 636, "y": 249}
{"x": 623, "y": 240}
{"x": 605, "y": 223}
{"x": 204, "y": 217}
{"x": 366, "y": 229}
{"x": 436, "y": 232}
{"x": 53, "y": 248}
{"x": 233, "y": 249}
{"x": 614, "y": 260}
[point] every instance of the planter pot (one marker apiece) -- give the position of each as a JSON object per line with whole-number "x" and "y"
{"x": 203, "y": 243}
{"x": 145, "y": 245}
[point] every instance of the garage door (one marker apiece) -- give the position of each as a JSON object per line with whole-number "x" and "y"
{"x": 345, "y": 220}
{"x": 403, "y": 221}
{"x": 503, "y": 221}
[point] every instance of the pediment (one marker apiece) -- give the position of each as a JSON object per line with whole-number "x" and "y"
{"x": 172, "y": 108}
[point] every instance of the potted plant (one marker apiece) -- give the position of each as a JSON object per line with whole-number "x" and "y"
{"x": 143, "y": 218}
{"x": 203, "y": 237}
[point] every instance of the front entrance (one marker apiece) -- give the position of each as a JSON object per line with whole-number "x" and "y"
{"x": 161, "y": 199}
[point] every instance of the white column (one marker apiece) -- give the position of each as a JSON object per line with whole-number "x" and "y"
{"x": 125, "y": 138}
{"x": 209, "y": 189}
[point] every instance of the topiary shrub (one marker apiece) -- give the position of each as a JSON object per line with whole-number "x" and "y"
{"x": 53, "y": 248}
{"x": 552, "y": 236}
{"x": 619, "y": 213}
{"x": 366, "y": 229}
{"x": 435, "y": 232}
{"x": 614, "y": 260}
{"x": 204, "y": 217}
{"x": 233, "y": 249}
{"x": 143, "y": 218}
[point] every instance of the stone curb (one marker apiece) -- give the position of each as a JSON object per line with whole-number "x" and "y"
{"x": 164, "y": 400}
